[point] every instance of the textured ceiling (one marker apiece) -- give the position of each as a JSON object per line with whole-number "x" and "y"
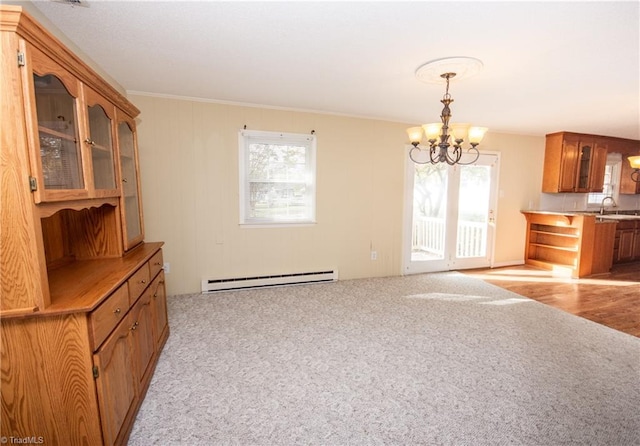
{"x": 548, "y": 66}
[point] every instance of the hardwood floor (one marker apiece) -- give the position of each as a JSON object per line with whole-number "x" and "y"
{"x": 611, "y": 299}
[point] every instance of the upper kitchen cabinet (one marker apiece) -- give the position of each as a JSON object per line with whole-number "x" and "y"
{"x": 574, "y": 163}
{"x": 130, "y": 200}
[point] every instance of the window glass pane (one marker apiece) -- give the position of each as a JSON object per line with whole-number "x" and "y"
{"x": 101, "y": 149}
{"x": 429, "y": 211}
{"x": 278, "y": 185}
{"x": 611, "y": 180}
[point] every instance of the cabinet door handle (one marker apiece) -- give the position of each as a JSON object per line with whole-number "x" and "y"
{"x": 124, "y": 180}
{"x": 117, "y": 311}
{"x": 158, "y": 263}
{"x": 90, "y": 141}
{"x": 143, "y": 281}
{"x": 134, "y": 326}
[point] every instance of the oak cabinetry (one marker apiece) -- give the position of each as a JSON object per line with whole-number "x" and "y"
{"x": 574, "y": 163}
{"x": 116, "y": 384}
{"x": 604, "y": 240}
{"x": 82, "y": 305}
{"x": 130, "y": 203}
{"x": 73, "y": 155}
{"x": 563, "y": 242}
{"x": 159, "y": 309}
{"x": 627, "y": 241}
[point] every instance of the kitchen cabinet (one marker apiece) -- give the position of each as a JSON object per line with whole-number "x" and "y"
{"x": 574, "y": 163}
{"x": 562, "y": 242}
{"x": 604, "y": 241}
{"x": 83, "y": 313}
{"x": 627, "y": 241}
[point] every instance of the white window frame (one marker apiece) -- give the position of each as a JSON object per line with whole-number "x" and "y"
{"x": 611, "y": 187}
{"x": 248, "y": 137}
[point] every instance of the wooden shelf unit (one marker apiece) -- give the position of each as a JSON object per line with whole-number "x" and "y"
{"x": 560, "y": 241}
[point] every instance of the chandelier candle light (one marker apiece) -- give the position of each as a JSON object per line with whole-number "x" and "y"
{"x": 635, "y": 164}
{"x": 441, "y": 150}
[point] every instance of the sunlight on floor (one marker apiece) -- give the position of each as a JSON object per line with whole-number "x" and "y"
{"x": 449, "y": 297}
{"x": 542, "y": 276}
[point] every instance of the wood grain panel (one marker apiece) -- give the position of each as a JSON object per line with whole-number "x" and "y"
{"x": 95, "y": 232}
{"x": 155, "y": 264}
{"x": 104, "y": 318}
{"x": 138, "y": 282}
{"x": 83, "y": 285}
{"x": 21, "y": 278}
{"x": 54, "y": 237}
{"x": 144, "y": 344}
{"x": 605, "y": 234}
{"x": 116, "y": 381}
{"x": 47, "y": 387}
{"x": 159, "y": 307}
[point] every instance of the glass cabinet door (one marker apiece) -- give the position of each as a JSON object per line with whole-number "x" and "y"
{"x": 100, "y": 140}
{"x": 584, "y": 166}
{"x": 130, "y": 200}
{"x": 60, "y": 154}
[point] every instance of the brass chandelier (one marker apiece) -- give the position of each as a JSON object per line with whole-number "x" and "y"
{"x": 445, "y": 139}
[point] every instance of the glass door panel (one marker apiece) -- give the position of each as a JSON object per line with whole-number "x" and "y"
{"x": 451, "y": 215}
{"x": 101, "y": 148}
{"x": 60, "y": 154}
{"x": 473, "y": 211}
{"x": 130, "y": 195}
{"x": 429, "y": 212}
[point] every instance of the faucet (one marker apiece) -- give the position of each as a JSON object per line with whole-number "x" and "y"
{"x": 608, "y": 197}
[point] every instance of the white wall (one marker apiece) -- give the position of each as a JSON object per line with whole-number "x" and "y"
{"x": 189, "y": 172}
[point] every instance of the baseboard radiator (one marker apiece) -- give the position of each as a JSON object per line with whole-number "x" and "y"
{"x": 240, "y": 283}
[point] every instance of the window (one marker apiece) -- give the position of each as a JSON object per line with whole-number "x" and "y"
{"x": 611, "y": 181}
{"x": 277, "y": 178}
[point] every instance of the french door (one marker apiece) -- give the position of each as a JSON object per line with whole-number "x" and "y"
{"x": 450, "y": 215}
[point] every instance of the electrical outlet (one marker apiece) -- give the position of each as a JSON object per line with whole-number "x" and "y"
{"x": 374, "y": 255}
{"x": 166, "y": 267}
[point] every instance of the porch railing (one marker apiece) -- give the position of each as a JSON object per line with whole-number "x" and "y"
{"x": 428, "y": 237}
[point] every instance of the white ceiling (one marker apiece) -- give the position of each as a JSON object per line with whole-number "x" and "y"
{"x": 548, "y": 66}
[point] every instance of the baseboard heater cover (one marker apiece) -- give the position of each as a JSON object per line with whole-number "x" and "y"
{"x": 240, "y": 283}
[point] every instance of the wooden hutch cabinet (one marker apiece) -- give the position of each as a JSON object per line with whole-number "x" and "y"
{"x": 82, "y": 306}
{"x": 574, "y": 163}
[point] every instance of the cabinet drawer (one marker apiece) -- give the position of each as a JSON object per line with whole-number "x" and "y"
{"x": 105, "y": 318}
{"x": 155, "y": 264}
{"x": 138, "y": 282}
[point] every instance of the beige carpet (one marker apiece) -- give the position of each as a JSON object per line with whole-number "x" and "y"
{"x": 419, "y": 360}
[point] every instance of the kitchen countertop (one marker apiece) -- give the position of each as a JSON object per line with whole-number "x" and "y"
{"x": 615, "y": 216}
